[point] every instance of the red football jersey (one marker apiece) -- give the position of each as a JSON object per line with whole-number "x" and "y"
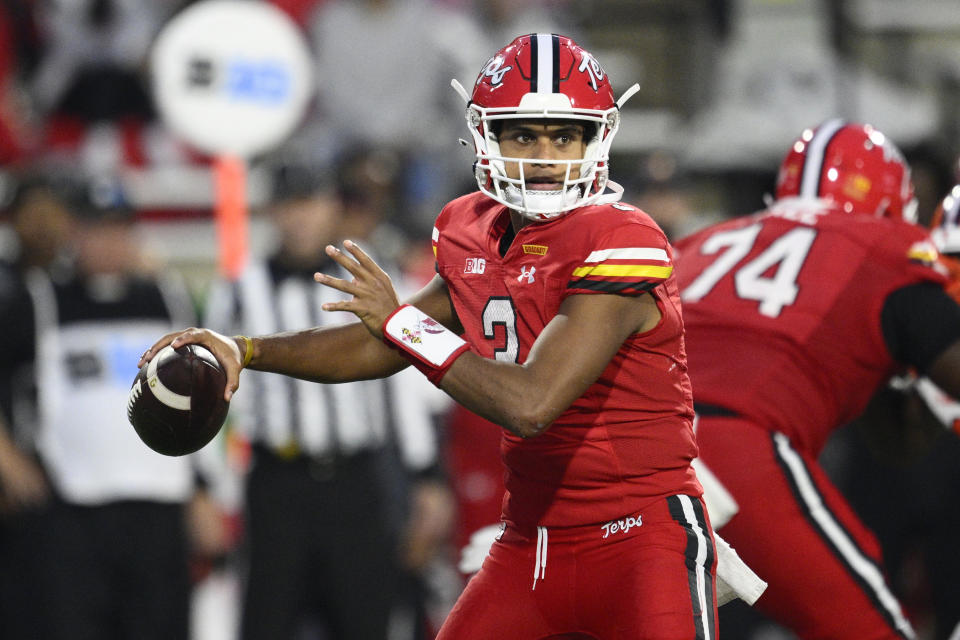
{"x": 782, "y": 313}
{"x": 628, "y": 439}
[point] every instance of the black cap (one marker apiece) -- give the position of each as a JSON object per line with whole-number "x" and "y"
{"x": 365, "y": 173}
{"x": 296, "y": 180}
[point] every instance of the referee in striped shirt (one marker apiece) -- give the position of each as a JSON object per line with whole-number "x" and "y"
{"x": 344, "y": 499}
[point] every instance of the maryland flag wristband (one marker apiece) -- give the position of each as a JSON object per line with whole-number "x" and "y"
{"x": 426, "y": 343}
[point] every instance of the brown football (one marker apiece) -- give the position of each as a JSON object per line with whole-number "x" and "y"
{"x": 176, "y": 401}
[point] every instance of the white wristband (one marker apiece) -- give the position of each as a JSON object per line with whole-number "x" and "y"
{"x": 428, "y": 344}
{"x": 413, "y": 330}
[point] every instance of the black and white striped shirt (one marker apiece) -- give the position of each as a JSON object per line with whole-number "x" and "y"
{"x": 286, "y": 414}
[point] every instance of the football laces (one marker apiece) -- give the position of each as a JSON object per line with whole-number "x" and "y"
{"x": 135, "y": 392}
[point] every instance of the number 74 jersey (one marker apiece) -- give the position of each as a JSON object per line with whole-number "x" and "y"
{"x": 782, "y": 311}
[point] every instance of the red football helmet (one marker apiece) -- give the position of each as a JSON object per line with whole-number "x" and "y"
{"x": 945, "y": 224}
{"x": 547, "y": 76}
{"x": 853, "y": 165}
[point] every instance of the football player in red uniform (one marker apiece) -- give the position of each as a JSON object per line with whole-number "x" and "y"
{"x": 794, "y": 316}
{"x": 555, "y": 314}
{"x": 945, "y": 231}
{"x": 945, "y": 225}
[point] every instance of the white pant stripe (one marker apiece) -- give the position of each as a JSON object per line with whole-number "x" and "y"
{"x": 701, "y": 559}
{"x": 854, "y": 558}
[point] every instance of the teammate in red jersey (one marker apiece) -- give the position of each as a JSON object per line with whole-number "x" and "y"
{"x": 794, "y": 316}
{"x": 572, "y": 341}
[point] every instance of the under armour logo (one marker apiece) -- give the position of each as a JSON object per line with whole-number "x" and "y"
{"x": 526, "y": 274}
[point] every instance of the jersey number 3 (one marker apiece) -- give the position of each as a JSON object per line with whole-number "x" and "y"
{"x": 754, "y": 280}
{"x": 499, "y": 312}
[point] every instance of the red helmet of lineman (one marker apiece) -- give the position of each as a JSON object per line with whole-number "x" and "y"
{"x": 854, "y": 165}
{"x": 546, "y": 76}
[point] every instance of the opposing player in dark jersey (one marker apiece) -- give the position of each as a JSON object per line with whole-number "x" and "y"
{"x": 794, "y": 317}
{"x": 571, "y": 340}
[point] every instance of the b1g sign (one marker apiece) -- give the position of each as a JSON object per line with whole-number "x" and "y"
{"x": 231, "y": 76}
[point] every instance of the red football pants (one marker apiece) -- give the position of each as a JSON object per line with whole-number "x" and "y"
{"x": 649, "y": 575}
{"x": 799, "y": 534}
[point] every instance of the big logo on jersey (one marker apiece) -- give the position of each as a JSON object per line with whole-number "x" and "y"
{"x": 475, "y": 265}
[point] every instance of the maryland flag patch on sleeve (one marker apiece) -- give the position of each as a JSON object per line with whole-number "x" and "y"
{"x": 628, "y": 270}
{"x": 924, "y": 252}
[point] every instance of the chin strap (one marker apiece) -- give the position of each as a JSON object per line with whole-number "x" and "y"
{"x": 540, "y": 205}
{"x": 551, "y": 204}
{"x": 427, "y": 344}
{"x": 613, "y": 193}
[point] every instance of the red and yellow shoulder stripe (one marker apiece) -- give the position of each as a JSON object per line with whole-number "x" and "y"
{"x": 622, "y": 270}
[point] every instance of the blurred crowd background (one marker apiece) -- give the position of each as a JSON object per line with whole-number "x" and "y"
{"x": 726, "y": 85}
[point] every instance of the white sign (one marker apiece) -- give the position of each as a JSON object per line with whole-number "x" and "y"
{"x": 232, "y": 76}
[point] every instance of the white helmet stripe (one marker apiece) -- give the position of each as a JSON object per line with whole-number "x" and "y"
{"x": 813, "y": 165}
{"x": 544, "y": 51}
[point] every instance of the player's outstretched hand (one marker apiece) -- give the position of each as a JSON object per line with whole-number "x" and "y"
{"x": 224, "y": 348}
{"x": 374, "y": 297}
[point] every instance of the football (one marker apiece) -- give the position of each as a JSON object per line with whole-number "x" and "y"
{"x": 176, "y": 402}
